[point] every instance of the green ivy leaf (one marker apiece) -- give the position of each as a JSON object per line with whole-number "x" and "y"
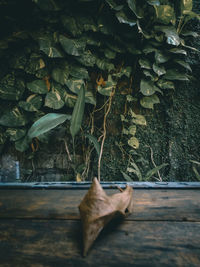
{"x": 38, "y": 87}
{"x": 185, "y": 6}
{"x": 22, "y": 144}
{"x": 151, "y": 75}
{"x": 158, "y": 69}
{"x": 138, "y": 119}
{"x": 183, "y": 64}
{"x": 147, "y": 88}
{"x": 122, "y": 18}
{"x": 32, "y": 103}
{"x": 170, "y": 33}
{"x": 174, "y": 74}
{"x": 70, "y": 24}
{"x": 89, "y": 98}
{"x": 108, "y": 87}
{"x": 48, "y": 46}
{"x": 15, "y": 134}
{"x": 104, "y": 64}
{"x": 78, "y": 72}
{"x": 61, "y": 74}
{"x": 72, "y": 46}
{"x": 164, "y": 84}
{"x": 160, "y": 57}
{"x": 11, "y": 88}
{"x": 87, "y": 59}
{"x": 145, "y": 64}
{"x": 136, "y": 10}
{"x": 190, "y": 33}
{"x": 149, "y": 49}
{"x": 124, "y": 71}
{"x": 78, "y": 112}
{"x": 13, "y": 118}
{"x": 132, "y": 130}
{"x": 70, "y": 100}
{"x": 133, "y": 142}
{"x": 178, "y": 51}
{"x": 109, "y": 53}
{"x": 53, "y": 100}
{"x": 165, "y": 14}
{"x": 149, "y": 101}
{"x": 74, "y": 85}
{"x": 113, "y": 5}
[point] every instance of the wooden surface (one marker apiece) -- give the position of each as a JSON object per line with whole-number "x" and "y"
{"x": 42, "y": 228}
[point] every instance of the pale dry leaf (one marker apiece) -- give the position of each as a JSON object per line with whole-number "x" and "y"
{"x": 97, "y": 209}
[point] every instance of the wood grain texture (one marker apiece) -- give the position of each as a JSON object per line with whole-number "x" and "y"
{"x": 150, "y": 205}
{"x": 58, "y": 243}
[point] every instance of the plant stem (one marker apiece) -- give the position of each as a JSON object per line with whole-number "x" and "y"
{"x": 104, "y": 134}
{"x": 74, "y": 154}
{"x": 154, "y": 164}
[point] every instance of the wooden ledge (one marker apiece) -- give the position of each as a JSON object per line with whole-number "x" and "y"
{"x": 41, "y": 227}
{"x": 86, "y": 185}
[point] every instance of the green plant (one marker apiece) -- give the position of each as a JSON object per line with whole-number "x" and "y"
{"x": 80, "y": 52}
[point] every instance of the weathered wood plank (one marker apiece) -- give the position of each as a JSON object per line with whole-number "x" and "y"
{"x": 175, "y": 205}
{"x": 57, "y": 243}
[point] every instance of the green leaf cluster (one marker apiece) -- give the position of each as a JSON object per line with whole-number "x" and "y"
{"x": 57, "y": 60}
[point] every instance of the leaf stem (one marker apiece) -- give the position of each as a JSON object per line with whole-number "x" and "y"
{"x": 104, "y": 133}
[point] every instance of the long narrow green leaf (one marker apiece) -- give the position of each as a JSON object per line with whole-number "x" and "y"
{"x": 95, "y": 142}
{"x": 150, "y": 173}
{"x": 126, "y": 177}
{"x": 77, "y": 115}
{"x": 46, "y": 123}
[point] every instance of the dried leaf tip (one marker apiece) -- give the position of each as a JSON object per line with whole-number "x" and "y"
{"x": 97, "y": 209}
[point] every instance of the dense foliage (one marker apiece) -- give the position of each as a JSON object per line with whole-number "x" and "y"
{"x": 58, "y": 55}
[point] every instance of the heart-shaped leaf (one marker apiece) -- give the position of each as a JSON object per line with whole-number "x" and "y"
{"x": 149, "y": 101}
{"x": 165, "y": 14}
{"x": 53, "y": 100}
{"x": 158, "y": 69}
{"x": 133, "y": 142}
{"x": 13, "y": 118}
{"x": 72, "y": 46}
{"x": 164, "y": 84}
{"x": 136, "y": 10}
{"x": 61, "y": 74}
{"x": 38, "y": 87}
{"x": 32, "y": 103}
{"x": 15, "y": 134}
{"x": 174, "y": 74}
{"x": 48, "y": 46}
{"x": 170, "y": 33}
{"x": 147, "y": 88}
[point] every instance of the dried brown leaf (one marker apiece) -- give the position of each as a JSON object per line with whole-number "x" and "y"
{"x": 97, "y": 209}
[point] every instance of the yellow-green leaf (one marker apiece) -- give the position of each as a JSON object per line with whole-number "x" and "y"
{"x": 133, "y": 142}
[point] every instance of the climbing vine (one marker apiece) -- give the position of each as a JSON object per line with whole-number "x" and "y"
{"x": 65, "y": 54}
